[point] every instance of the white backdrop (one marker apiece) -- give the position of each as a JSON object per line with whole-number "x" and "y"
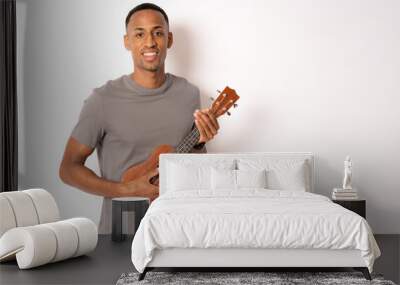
{"x": 319, "y": 76}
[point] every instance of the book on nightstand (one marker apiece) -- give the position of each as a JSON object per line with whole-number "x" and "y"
{"x": 344, "y": 194}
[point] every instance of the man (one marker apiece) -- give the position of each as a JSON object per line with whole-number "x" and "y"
{"x": 126, "y": 118}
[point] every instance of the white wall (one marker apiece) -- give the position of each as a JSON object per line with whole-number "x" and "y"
{"x": 320, "y": 76}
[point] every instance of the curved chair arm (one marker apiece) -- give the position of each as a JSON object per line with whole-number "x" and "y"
{"x": 40, "y": 244}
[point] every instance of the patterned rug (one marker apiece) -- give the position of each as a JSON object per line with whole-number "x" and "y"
{"x": 269, "y": 278}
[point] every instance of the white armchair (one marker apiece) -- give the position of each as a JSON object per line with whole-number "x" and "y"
{"x": 31, "y": 230}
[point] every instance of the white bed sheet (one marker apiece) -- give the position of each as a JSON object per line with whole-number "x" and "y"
{"x": 250, "y": 218}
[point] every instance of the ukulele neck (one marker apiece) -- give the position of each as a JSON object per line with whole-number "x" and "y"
{"x": 226, "y": 99}
{"x": 187, "y": 144}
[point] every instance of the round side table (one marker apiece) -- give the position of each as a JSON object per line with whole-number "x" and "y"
{"x": 139, "y": 205}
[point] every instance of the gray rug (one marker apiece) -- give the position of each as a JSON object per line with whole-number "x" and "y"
{"x": 269, "y": 278}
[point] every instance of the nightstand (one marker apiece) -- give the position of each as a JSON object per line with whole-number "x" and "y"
{"x": 138, "y": 205}
{"x": 357, "y": 206}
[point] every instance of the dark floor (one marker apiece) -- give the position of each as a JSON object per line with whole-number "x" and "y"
{"x": 110, "y": 260}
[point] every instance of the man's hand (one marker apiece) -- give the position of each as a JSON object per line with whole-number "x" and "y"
{"x": 206, "y": 123}
{"x": 141, "y": 187}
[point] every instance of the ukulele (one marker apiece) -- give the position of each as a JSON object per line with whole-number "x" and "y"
{"x": 220, "y": 106}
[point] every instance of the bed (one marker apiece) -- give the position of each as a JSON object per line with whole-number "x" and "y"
{"x": 246, "y": 210}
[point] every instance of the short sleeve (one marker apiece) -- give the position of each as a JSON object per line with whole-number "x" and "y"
{"x": 89, "y": 129}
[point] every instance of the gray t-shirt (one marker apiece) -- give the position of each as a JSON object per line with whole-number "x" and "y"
{"x": 125, "y": 122}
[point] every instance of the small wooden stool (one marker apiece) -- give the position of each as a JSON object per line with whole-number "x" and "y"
{"x": 139, "y": 205}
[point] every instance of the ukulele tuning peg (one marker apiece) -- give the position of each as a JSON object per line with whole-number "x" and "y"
{"x": 235, "y": 105}
{"x": 218, "y": 91}
{"x": 228, "y": 113}
{"x": 211, "y": 98}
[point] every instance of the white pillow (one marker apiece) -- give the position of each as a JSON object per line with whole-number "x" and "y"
{"x": 187, "y": 174}
{"x": 181, "y": 177}
{"x": 236, "y": 179}
{"x": 223, "y": 179}
{"x": 282, "y": 174}
{"x": 255, "y": 178}
{"x": 287, "y": 179}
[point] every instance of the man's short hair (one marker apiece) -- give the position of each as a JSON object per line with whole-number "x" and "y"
{"x": 145, "y": 6}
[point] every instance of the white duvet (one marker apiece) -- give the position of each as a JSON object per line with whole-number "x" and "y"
{"x": 251, "y": 218}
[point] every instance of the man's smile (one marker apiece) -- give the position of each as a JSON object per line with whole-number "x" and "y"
{"x": 150, "y": 55}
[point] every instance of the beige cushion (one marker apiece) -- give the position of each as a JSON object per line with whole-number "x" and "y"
{"x": 40, "y": 244}
{"x": 32, "y": 233}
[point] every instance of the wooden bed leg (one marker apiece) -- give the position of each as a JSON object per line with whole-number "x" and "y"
{"x": 142, "y": 275}
{"x": 364, "y": 271}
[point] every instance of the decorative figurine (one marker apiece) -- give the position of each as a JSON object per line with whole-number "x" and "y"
{"x": 347, "y": 173}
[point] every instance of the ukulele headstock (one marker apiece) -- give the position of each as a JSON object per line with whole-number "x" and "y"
{"x": 226, "y": 99}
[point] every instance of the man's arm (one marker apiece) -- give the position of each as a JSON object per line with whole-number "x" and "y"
{"x": 74, "y": 172}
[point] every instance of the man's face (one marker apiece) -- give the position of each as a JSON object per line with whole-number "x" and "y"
{"x": 147, "y": 37}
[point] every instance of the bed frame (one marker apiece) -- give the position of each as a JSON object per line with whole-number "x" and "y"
{"x": 248, "y": 259}
{"x": 234, "y": 259}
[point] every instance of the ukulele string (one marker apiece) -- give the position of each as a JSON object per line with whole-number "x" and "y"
{"x": 188, "y": 142}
